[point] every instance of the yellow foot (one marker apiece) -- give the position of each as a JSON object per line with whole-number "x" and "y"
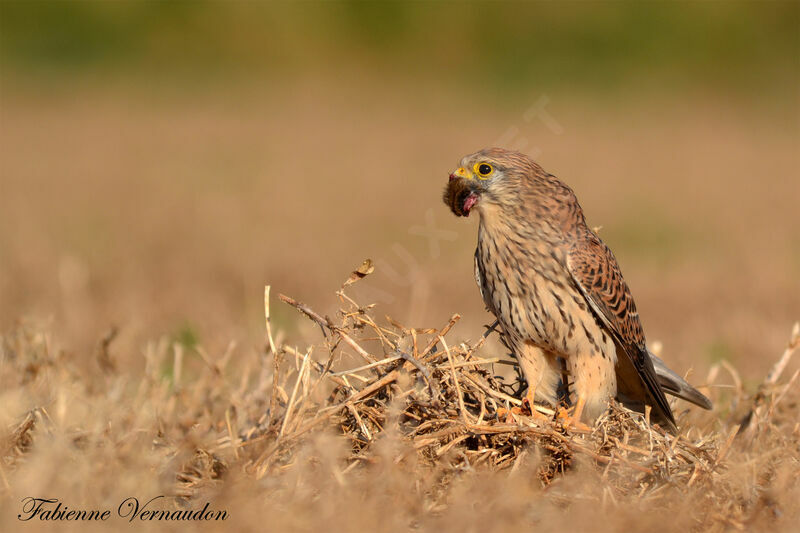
{"x": 571, "y": 418}
{"x": 507, "y": 415}
{"x": 530, "y": 410}
{"x": 527, "y": 408}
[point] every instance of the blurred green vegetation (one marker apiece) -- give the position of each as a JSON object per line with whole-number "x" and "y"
{"x": 720, "y": 350}
{"x": 650, "y": 235}
{"x": 187, "y": 336}
{"x": 749, "y": 46}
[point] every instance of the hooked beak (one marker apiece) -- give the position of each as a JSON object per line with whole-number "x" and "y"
{"x": 462, "y": 192}
{"x": 461, "y": 172}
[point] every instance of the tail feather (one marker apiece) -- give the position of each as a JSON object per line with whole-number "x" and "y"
{"x": 675, "y": 385}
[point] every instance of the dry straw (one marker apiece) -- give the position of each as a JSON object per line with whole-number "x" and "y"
{"x": 446, "y": 402}
{"x": 369, "y": 382}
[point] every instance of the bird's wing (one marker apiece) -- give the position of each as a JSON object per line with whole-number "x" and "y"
{"x": 479, "y": 280}
{"x": 595, "y": 271}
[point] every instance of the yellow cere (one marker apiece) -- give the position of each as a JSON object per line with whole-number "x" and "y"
{"x": 462, "y": 172}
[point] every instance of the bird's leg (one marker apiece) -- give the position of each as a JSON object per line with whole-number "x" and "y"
{"x": 508, "y": 413}
{"x": 529, "y": 399}
{"x": 538, "y": 369}
{"x": 573, "y": 419}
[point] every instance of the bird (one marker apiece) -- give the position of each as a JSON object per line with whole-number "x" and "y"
{"x": 558, "y": 293}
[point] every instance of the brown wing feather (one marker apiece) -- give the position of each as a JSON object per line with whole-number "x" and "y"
{"x": 596, "y": 273}
{"x": 479, "y": 280}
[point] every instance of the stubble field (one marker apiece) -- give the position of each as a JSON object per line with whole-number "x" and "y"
{"x": 138, "y": 230}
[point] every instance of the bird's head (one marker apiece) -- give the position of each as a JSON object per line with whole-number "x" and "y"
{"x": 491, "y": 177}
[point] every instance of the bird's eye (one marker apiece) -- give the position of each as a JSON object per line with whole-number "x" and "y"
{"x": 483, "y": 170}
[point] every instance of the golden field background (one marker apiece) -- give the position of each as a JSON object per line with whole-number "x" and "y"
{"x": 164, "y": 214}
{"x": 160, "y": 165}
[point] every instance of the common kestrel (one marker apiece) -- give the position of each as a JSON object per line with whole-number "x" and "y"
{"x": 557, "y": 291}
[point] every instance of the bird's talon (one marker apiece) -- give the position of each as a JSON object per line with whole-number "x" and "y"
{"x": 508, "y": 415}
{"x": 570, "y": 418}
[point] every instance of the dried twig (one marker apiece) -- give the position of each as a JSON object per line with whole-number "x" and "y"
{"x": 325, "y": 323}
{"x": 463, "y": 428}
{"x": 758, "y": 409}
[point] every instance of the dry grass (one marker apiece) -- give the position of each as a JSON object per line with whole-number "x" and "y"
{"x": 197, "y": 199}
{"x": 378, "y": 426}
{"x": 138, "y": 226}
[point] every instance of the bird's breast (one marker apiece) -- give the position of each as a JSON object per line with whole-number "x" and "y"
{"x": 525, "y": 284}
